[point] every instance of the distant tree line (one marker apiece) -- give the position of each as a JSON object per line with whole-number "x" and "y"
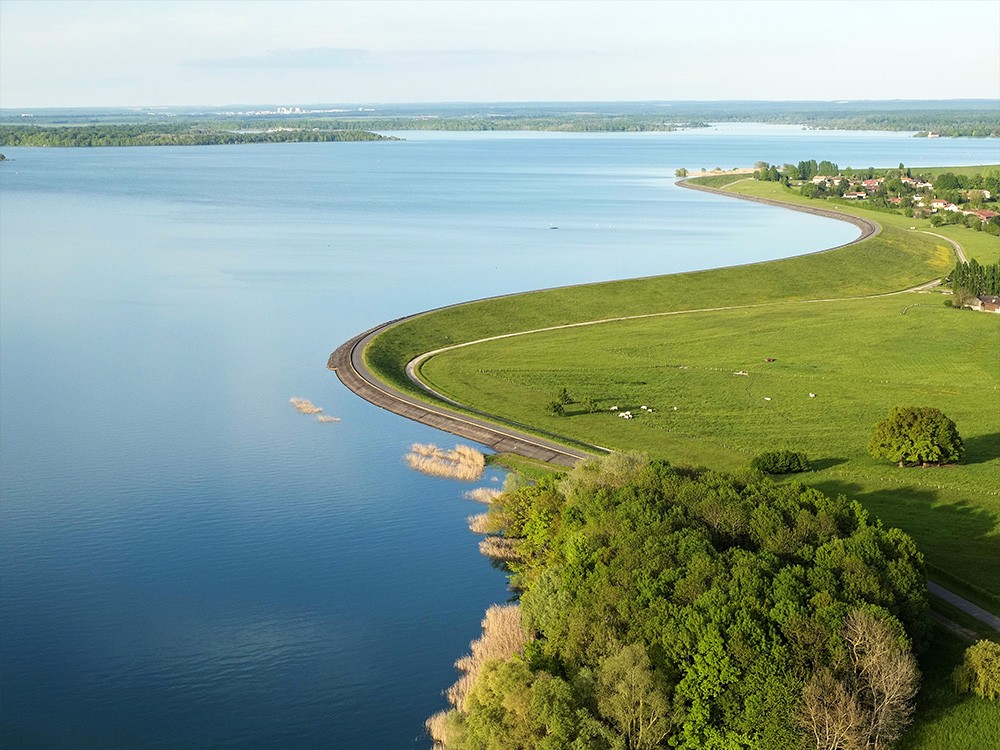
{"x": 684, "y": 608}
{"x": 166, "y": 135}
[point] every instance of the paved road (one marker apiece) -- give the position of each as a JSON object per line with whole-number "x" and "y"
{"x": 348, "y": 362}
{"x": 985, "y": 617}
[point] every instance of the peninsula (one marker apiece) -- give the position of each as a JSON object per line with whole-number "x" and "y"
{"x": 717, "y": 366}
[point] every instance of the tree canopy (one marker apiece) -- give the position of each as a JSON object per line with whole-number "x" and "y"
{"x": 916, "y": 435}
{"x": 671, "y": 607}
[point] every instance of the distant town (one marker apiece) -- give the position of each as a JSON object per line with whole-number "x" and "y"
{"x": 945, "y": 198}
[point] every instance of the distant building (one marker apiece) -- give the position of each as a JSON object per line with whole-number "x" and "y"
{"x": 943, "y": 205}
{"x": 989, "y": 303}
{"x": 984, "y": 214}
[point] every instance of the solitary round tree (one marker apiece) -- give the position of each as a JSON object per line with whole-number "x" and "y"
{"x": 916, "y": 435}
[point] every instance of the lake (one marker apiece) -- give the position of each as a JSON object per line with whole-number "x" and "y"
{"x": 185, "y": 560}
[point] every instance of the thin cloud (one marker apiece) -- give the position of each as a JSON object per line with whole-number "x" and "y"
{"x": 316, "y": 57}
{"x": 343, "y": 57}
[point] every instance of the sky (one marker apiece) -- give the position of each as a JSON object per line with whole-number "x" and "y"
{"x": 107, "y": 53}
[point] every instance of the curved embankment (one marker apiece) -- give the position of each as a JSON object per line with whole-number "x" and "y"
{"x": 868, "y": 228}
{"x": 348, "y": 362}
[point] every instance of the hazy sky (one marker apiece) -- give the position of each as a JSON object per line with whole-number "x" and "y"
{"x": 217, "y": 52}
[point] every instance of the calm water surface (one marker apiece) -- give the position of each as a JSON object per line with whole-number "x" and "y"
{"x": 185, "y": 561}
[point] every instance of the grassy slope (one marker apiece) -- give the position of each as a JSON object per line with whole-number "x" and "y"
{"x": 983, "y": 247}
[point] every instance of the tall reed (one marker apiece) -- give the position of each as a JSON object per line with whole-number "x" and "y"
{"x": 462, "y": 462}
{"x": 502, "y": 637}
{"x": 304, "y": 405}
{"x": 483, "y": 494}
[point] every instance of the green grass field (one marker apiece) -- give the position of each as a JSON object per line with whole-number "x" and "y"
{"x": 942, "y": 718}
{"x": 859, "y": 356}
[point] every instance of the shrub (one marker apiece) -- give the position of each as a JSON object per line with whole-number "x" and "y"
{"x": 979, "y": 672}
{"x": 780, "y": 462}
{"x": 916, "y": 435}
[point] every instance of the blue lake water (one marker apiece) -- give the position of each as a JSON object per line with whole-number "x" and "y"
{"x": 185, "y": 561}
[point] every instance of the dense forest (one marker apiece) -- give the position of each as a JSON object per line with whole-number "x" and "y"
{"x": 668, "y": 607}
{"x": 167, "y": 135}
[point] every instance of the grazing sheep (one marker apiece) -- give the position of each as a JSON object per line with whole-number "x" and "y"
{"x": 812, "y": 395}
{"x": 767, "y": 398}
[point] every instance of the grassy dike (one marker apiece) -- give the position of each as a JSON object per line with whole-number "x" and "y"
{"x": 859, "y": 356}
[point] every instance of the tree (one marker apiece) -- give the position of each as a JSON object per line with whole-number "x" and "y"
{"x": 780, "y": 462}
{"x": 866, "y": 706}
{"x": 916, "y": 435}
{"x": 680, "y": 172}
{"x": 630, "y": 698}
{"x": 980, "y": 670}
{"x": 830, "y": 713}
{"x": 885, "y": 677}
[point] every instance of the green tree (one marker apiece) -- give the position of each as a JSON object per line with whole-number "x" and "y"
{"x": 916, "y": 435}
{"x": 680, "y": 172}
{"x": 629, "y": 696}
{"x": 979, "y": 672}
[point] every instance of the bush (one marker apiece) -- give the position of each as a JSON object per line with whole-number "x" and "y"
{"x": 916, "y": 435}
{"x": 979, "y": 672}
{"x": 780, "y": 462}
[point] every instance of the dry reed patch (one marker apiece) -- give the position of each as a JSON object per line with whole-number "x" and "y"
{"x": 500, "y": 548}
{"x": 463, "y": 462}
{"x": 502, "y": 637}
{"x": 437, "y": 727}
{"x": 326, "y": 418}
{"x": 483, "y": 494}
{"x": 304, "y": 405}
{"x": 481, "y": 524}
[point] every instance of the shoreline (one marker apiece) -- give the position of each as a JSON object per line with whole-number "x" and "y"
{"x": 499, "y": 434}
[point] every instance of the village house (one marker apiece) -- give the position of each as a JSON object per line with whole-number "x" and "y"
{"x": 987, "y": 303}
{"x": 943, "y": 205}
{"x": 856, "y": 195}
{"x": 984, "y": 214}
